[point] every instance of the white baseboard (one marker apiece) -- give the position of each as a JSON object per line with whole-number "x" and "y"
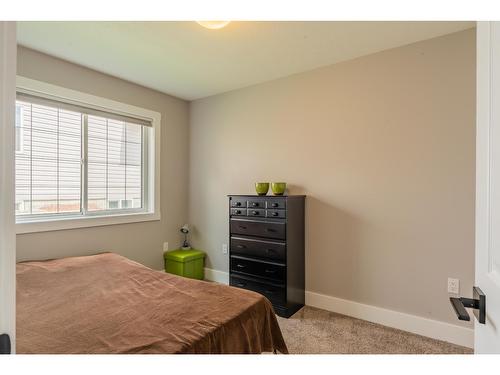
{"x": 218, "y": 276}
{"x": 406, "y": 322}
{"x": 390, "y": 318}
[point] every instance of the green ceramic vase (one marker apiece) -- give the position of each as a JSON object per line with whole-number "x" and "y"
{"x": 261, "y": 188}
{"x": 278, "y": 188}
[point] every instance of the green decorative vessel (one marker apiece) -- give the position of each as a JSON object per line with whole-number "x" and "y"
{"x": 261, "y": 188}
{"x": 278, "y": 188}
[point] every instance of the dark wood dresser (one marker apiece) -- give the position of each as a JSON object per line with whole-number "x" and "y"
{"x": 266, "y": 235}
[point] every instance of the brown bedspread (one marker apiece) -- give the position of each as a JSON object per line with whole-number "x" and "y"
{"x": 109, "y": 304}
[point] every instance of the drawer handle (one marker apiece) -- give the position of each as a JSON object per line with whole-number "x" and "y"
{"x": 240, "y": 246}
{"x": 271, "y": 230}
{"x": 242, "y": 227}
{"x": 237, "y": 204}
{"x": 255, "y": 204}
{"x": 275, "y": 213}
{"x": 238, "y": 212}
{"x": 240, "y": 265}
{"x": 268, "y": 292}
{"x": 241, "y": 284}
{"x": 270, "y": 271}
{"x": 274, "y": 205}
{"x": 255, "y": 212}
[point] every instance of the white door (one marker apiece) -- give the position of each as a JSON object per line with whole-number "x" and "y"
{"x": 7, "y": 229}
{"x": 487, "y": 336}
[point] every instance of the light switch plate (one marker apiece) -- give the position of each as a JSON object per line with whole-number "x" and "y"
{"x": 224, "y": 248}
{"x": 165, "y": 246}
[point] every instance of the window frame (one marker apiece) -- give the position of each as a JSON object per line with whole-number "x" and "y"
{"x": 151, "y": 163}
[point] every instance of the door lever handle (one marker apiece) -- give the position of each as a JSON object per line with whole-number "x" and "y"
{"x": 478, "y": 304}
{"x": 459, "y": 308}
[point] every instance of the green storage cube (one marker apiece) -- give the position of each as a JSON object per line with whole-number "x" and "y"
{"x": 187, "y": 263}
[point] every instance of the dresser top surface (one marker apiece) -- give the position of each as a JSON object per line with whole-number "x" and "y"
{"x": 265, "y": 196}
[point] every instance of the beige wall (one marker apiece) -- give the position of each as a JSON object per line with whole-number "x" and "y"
{"x": 383, "y": 146}
{"x": 141, "y": 241}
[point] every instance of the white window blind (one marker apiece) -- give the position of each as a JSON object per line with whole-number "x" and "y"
{"x": 72, "y": 160}
{"x": 19, "y": 130}
{"x": 114, "y": 164}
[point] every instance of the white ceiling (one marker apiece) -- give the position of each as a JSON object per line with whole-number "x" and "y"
{"x": 188, "y": 61}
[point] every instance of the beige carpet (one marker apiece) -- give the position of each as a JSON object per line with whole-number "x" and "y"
{"x": 312, "y": 331}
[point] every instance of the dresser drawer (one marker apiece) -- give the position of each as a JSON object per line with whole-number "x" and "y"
{"x": 238, "y": 212}
{"x": 279, "y": 214}
{"x": 256, "y": 212}
{"x": 275, "y": 293}
{"x": 276, "y": 203}
{"x": 258, "y": 228}
{"x": 238, "y": 202}
{"x": 258, "y": 248}
{"x": 256, "y": 203}
{"x": 257, "y": 268}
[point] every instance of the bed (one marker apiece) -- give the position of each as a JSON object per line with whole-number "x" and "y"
{"x": 106, "y": 303}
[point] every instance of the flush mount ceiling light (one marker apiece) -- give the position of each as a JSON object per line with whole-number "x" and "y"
{"x": 213, "y": 24}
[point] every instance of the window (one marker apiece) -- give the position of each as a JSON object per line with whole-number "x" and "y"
{"x": 75, "y": 162}
{"x": 48, "y": 170}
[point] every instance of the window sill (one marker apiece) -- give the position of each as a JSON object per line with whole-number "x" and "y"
{"x": 84, "y": 222}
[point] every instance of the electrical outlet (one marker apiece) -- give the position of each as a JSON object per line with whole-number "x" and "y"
{"x": 453, "y": 286}
{"x": 165, "y": 246}
{"x": 224, "y": 248}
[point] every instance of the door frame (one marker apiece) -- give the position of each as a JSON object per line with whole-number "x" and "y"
{"x": 488, "y": 115}
{"x": 8, "y": 51}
